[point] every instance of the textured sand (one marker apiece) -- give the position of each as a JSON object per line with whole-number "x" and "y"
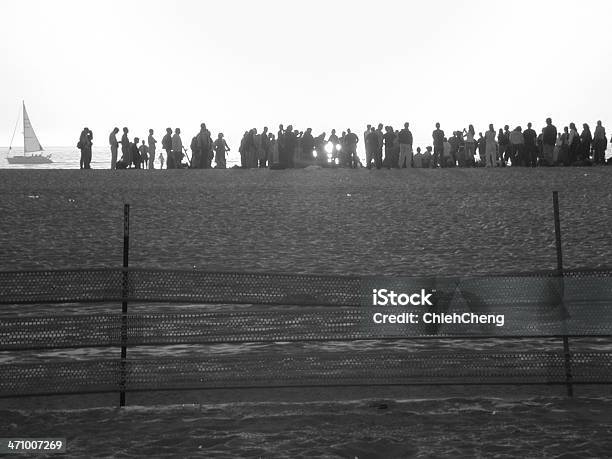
{"x": 322, "y": 221}
{"x": 319, "y": 221}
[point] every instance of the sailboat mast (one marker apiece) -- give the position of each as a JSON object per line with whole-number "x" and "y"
{"x": 24, "y": 131}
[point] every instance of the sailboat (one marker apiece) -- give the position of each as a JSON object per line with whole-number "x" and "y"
{"x": 31, "y": 145}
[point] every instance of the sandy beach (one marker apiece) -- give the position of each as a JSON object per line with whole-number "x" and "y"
{"x": 307, "y": 221}
{"x": 410, "y": 222}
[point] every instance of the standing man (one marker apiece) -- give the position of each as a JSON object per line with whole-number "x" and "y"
{"x": 381, "y": 135}
{"x": 290, "y": 141}
{"x": 167, "y": 146}
{"x": 530, "y": 137}
{"x": 371, "y": 141}
{"x": 549, "y": 138}
{"x": 438, "y": 144}
{"x": 220, "y": 147}
{"x": 144, "y": 154}
{"x": 503, "y": 140}
{"x": 280, "y": 142}
{"x": 126, "y": 156}
{"x": 152, "y": 142}
{"x": 85, "y": 143}
{"x": 405, "y": 145}
{"x": 490, "y": 147}
{"x": 177, "y": 148}
{"x": 114, "y": 146}
{"x": 350, "y": 141}
{"x": 205, "y": 148}
{"x": 482, "y": 148}
{"x": 366, "y": 133}
{"x": 265, "y": 147}
{"x": 600, "y": 143}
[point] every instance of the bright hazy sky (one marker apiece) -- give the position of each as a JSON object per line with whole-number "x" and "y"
{"x": 319, "y": 64}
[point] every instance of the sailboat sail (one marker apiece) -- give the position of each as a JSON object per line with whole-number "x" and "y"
{"x": 30, "y": 141}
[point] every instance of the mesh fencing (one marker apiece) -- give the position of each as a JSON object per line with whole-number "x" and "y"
{"x": 238, "y": 326}
{"x": 326, "y": 308}
{"x": 176, "y": 286}
{"x": 327, "y": 369}
{"x": 96, "y": 285}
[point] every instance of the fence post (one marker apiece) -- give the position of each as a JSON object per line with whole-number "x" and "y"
{"x": 124, "y": 297}
{"x": 566, "y": 349}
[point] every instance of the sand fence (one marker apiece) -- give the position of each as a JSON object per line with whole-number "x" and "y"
{"x": 280, "y": 308}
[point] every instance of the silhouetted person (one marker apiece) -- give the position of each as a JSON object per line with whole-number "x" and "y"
{"x": 265, "y": 146}
{"x": 389, "y": 138}
{"x": 290, "y": 145}
{"x": 380, "y": 134}
{"x": 366, "y": 133}
{"x": 447, "y": 156}
{"x": 135, "y": 153}
{"x": 84, "y": 144}
{"x": 125, "y": 148}
{"x": 600, "y": 143}
{"x": 114, "y": 147}
{"x": 253, "y": 149}
{"x": 574, "y": 143}
{"x": 516, "y": 150}
{"x": 351, "y": 141}
{"x": 586, "y": 139}
{"x": 491, "y": 147}
{"x": 428, "y": 158}
{"x": 177, "y": 148}
{"x": 144, "y": 154}
{"x": 561, "y": 152}
{"x": 454, "y": 143}
{"x": 204, "y": 149}
{"x": 319, "y": 145}
{"x": 531, "y": 149}
{"x": 405, "y": 147}
{"x": 193, "y": 146}
{"x": 482, "y": 149}
{"x": 280, "y": 141}
{"x": 503, "y": 142}
{"x": 438, "y": 145}
{"x": 335, "y": 142}
{"x": 470, "y": 144}
{"x": 417, "y": 159}
{"x": 308, "y": 145}
{"x": 220, "y": 147}
{"x": 549, "y": 138}
{"x": 242, "y": 149}
{"x": 372, "y": 150}
{"x": 273, "y": 157}
{"x": 152, "y": 147}
{"x": 167, "y": 147}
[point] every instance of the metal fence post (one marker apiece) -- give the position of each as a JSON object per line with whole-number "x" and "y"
{"x": 566, "y": 349}
{"x": 124, "y": 297}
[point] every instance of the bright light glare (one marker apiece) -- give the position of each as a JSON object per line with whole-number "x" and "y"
{"x": 337, "y": 161}
{"x": 329, "y": 147}
{"x": 338, "y": 147}
{"x": 314, "y": 153}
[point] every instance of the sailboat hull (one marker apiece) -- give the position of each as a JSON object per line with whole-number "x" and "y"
{"x": 34, "y": 159}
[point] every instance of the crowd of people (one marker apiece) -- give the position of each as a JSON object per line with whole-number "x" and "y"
{"x": 384, "y": 147}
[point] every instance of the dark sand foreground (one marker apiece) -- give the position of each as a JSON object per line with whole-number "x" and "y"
{"x": 308, "y": 221}
{"x": 312, "y": 221}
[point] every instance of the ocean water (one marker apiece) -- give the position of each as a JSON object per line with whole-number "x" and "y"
{"x": 68, "y": 158}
